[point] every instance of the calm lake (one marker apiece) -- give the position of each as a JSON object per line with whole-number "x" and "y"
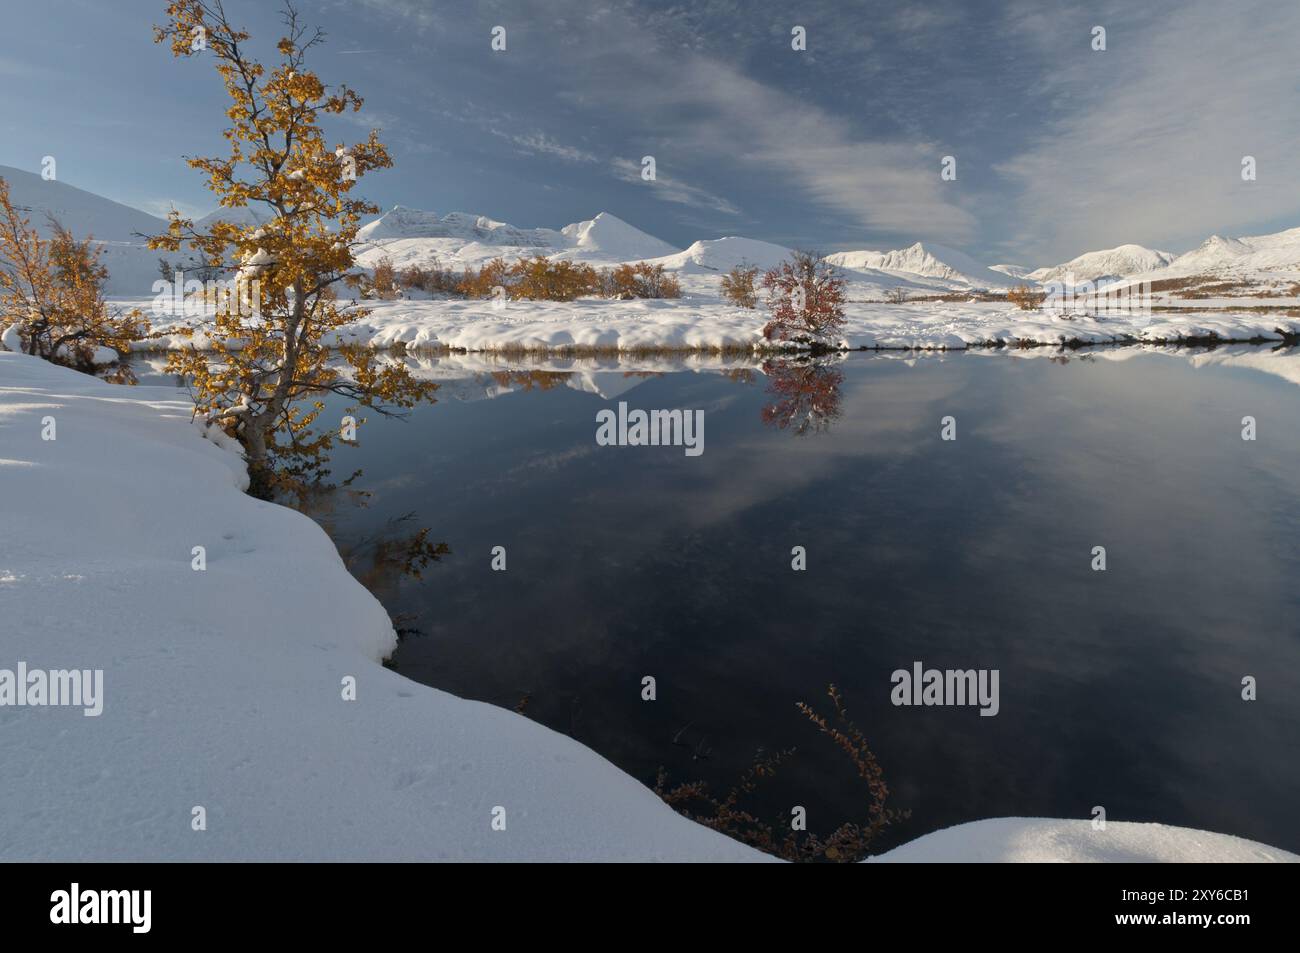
{"x": 1119, "y": 688}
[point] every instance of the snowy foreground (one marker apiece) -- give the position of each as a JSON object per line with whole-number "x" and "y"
{"x": 222, "y": 688}
{"x": 700, "y": 322}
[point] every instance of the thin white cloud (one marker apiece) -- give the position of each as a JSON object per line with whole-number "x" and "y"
{"x": 670, "y": 189}
{"x": 538, "y": 143}
{"x": 710, "y": 111}
{"x": 1150, "y": 145}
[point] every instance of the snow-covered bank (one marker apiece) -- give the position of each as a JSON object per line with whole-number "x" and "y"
{"x": 222, "y": 688}
{"x": 701, "y": 323}
{"x": 1044, "y": 840}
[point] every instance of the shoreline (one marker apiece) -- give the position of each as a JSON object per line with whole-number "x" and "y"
{"x": 699, "y": 325}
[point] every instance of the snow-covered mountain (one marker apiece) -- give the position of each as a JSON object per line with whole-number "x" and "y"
{"x": 723, "y": 254}
{"x": 1248, "y": 255}
{"x": 1259, "y": 262}
{"x": 608, "y": 238}
{"x": 458, "y": 240}
{"x": 1104, "y": 265}
{"x": 248, "y": 215}
{"x": 927, "y": 260}
{"x": 84, "y": 212}
{"x": 119, "y": 229}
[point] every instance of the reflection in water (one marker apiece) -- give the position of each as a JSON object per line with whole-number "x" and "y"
{"x": 805, "y": 395}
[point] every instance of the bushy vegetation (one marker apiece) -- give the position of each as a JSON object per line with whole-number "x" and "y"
{"x": 431, "y": 279}
{"x": 640, "y": 280}
{"x": 382, "y": 284}
{"x": 1025, "y": 298}
{"x": 546, "y": 279}
{"x": 851, "y": 841}
{"x": 51, "y": 294}
{"x": 805, "y": 300}
{"x": 738, "y": 285}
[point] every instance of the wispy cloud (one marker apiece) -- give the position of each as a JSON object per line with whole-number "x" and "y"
{"x": 669, "y": 189}
{"x": 1151, "y": 133}
{"x": 538, "y": 143}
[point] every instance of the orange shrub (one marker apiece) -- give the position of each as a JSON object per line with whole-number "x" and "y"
{"x": 642, "y": 280}
{"x": 1025, "y": 298}
{"x": 738, "y": 285}
{"x": 383, "y": 283}
{"x": 479, "y": 283}
{"x": 544, "y": 280}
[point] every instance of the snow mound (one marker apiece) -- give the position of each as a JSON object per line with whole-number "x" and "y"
{"x": 723, "y": 254}
{"x": 1038, "y": 840}
{"x": 609, "y": 238}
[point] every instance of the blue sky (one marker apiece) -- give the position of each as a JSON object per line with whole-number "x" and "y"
{"x": 1059, "y": 149}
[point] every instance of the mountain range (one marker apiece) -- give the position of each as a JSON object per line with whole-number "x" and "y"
{"x": 459, "y": 240}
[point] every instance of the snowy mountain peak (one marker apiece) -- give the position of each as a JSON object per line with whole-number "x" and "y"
{"x": 609, "y": 238}
{"x": 1261, "y": 256}
{"x": 926, "y": 259}
{"x": 411, "y": 236}
{"x": 1108, "y": 263}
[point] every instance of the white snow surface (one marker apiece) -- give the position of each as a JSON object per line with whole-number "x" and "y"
{"x": 1044, "y": 840}
{"x": 208, "y": 703}
{"x": 222, "y": 688}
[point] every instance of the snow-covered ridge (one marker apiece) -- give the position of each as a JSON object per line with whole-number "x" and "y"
{"x": 928, "y": 260}
{"x": 1279, "y": 251}
{"x": 720, "y": 255}
{"x": 459, "y": 240}
{"x": 1109, "y": 263}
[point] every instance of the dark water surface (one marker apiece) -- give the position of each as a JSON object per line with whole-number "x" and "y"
{"x": 1119, "y": 688}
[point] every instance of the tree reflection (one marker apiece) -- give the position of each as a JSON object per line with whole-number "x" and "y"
{"x": 805, "y": 395}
